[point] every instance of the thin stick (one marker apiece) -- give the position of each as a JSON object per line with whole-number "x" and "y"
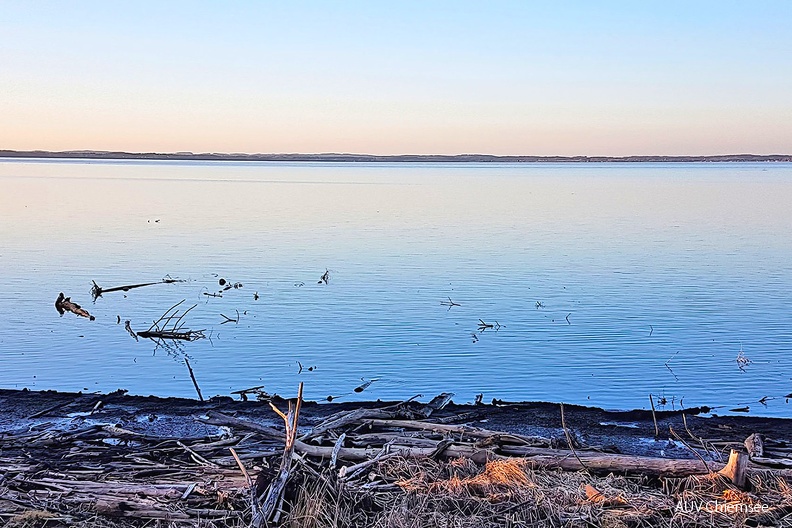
{"x": 176, "y": 324}
{"x": 165, "y": 315}
{"x": 675, "y": 435}
{"x": 669, "y": 368}
{"x": 241, "y": 466}
{"x": 569, "y": 439}
{"x": 654, "y": 418}
{"x": 195, "y": 455}
{"x": 192, "y": 376}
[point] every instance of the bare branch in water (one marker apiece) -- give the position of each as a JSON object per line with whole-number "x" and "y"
{"x": 449, "y": 303}
{"x": 485, "y": 326}
{"x": 229, "y": 319}
{"x": 97, "y": 291}
{"x": 128, "y": 328}
{"x": 163, "y": 330}
{"x": 669, "y": 367}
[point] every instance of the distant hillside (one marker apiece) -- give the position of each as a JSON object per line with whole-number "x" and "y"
{"x": 461, "y": 158}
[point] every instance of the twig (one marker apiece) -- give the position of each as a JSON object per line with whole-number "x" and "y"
{"x": 569, "y": 439}
{"x": 128, "y": 328}
{"x": 192, "y": 376}
{"x": 241, "y": 466}
{"x": 675, "y": 435}
{"x": 654, "y": 417}
{"x": 669, "y": 368}
{"x": 196, "y": 456}
{"x": 97, "y": 291}
{"x": 230, "y": 320}
{"x": 449, "y": 303}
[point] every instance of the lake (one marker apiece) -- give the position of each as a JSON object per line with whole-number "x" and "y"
{"x": 602, "y": 283}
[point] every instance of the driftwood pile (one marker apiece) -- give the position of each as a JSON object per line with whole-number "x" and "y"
{"x": 393, "y": 466}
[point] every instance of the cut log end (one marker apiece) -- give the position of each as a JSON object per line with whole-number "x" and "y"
{"x": 734, "y": 470}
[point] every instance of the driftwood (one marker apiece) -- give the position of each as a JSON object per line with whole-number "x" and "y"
{"x": 501, "y": 446}
{"x": 97, "y": 291}
{"x": 402, "y": 410}
{"x": 169, "y": 327}
{"x": 754, "y": 444}
{"x": 268, "y": 507}
{"x": 361, "y": 466}
{"x": 64, "y": 304}
{"x": 118, "y": 473}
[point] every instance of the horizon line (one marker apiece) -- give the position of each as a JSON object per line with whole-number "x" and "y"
{"x": 343, "y": 156}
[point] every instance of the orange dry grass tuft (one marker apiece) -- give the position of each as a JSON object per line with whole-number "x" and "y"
{"x": 498, "y": 476}
{"x": 510, "y": 472}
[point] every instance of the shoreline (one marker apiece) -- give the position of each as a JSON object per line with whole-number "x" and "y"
{"x": 118, "y": 461}
{"x": 631, "y": 431}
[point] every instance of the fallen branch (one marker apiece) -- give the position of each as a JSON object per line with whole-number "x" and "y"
{"x": 160, "y": 331}
{"x": 97, "y": 291}
{"x": 535, "y": 457}
{"x": 268, "y": 508}
{"x": 192, "y": 377}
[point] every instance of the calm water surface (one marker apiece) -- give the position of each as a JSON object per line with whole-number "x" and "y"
{"x": 609, "y": 281}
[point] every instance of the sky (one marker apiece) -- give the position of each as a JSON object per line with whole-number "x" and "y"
{"x": 608, "y": 78}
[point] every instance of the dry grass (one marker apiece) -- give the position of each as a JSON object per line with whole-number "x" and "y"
{"x": 460, "y": 494}
{"x": 401, "y": 493}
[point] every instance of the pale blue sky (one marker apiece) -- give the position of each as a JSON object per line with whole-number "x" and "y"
{"x": 586, "y": 77}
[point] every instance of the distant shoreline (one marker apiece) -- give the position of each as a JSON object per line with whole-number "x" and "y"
{"x": 370, "y": 158}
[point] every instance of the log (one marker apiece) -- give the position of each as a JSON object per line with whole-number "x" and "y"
{"x": 535, "y": 457}
{"x": 351, "y": 417}
{"x": 463, "y": 430}
{"x": 395, "y": 412}
{"x": 772, "y": 462}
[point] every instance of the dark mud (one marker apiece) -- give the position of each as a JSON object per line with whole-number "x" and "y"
{"x": 628, "y": 432}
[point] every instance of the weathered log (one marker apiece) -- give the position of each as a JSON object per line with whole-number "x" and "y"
{"x": 218, "y": 418}
{"x": 380, "y": 439}
{"x": 463, "y": 430}
{"x": 755, "y": 445}
{"x": 772, "y": 462}
{"x": 395, "y": 412}
{"x": 535, "y": 457}
{"x": 357, "y": 416}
